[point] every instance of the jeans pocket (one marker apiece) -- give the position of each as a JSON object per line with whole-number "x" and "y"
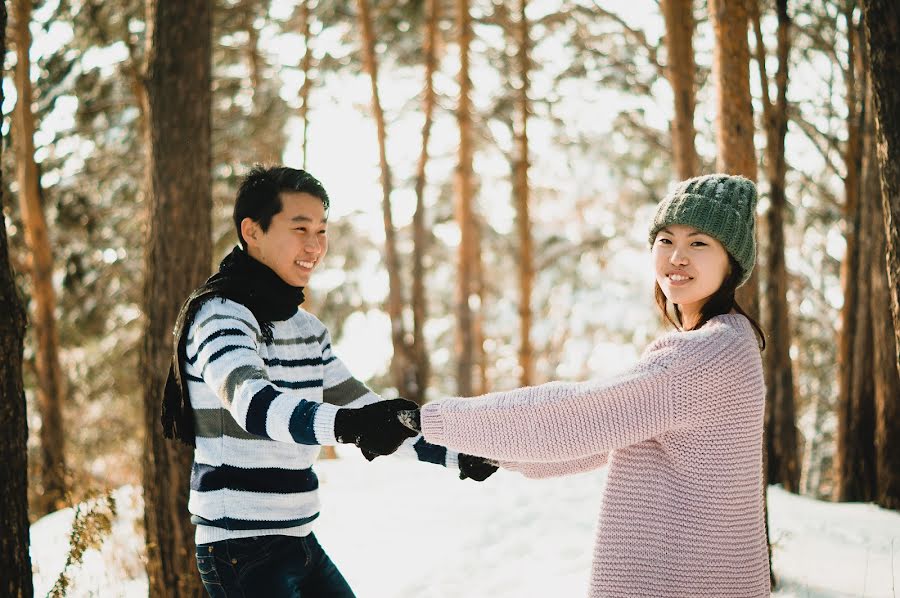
{"x": 206, "y": 565}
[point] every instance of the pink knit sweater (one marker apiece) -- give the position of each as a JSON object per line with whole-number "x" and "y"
{"x": 681, "y": 432}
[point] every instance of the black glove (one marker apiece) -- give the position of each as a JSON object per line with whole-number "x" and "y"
{"x": 477, "y": 468}
{"x": 375, "y": 428}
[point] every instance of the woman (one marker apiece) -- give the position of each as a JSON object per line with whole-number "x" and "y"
{"x": 681, "y": 431}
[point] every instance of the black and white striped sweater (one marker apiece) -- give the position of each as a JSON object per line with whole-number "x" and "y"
{"x": 261, "y": 412}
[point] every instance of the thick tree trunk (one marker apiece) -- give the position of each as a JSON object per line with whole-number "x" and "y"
{"x": 521, "y": 190}
{"x": 882, "y": 27}
{"x": 50, "y": 384}
{"x": 855, "y": 478}
{"x": 306, "y": 67}
{"x": 885, "y": 376}
{"x": 178, "y": 257}
{"x": 15, "y": 560}
{"x": 681, "y": 71}
{"x": 401, "y": 369}
{"x": 781, "y": 430}
{"x": 464, "y": 193}
{"x": 734, "y": 111}
{"x": 420, "y": 232}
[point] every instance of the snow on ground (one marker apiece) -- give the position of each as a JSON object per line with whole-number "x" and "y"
{"x": 399, "y": 529}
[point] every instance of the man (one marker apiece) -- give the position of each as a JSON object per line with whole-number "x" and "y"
{"x": 256, "y": 389}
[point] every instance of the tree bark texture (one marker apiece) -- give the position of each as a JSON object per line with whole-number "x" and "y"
{"x": 681, "y": 73}
{"x": 464, "y": 193}
{"x": 15, "y": 559}
{"x": 178, "y": 258}
{"x": 50, "y": 383}
{"x": 882, "y": 29}
{"x": 734, "y": 111}
{"x": 781, "y": 430}
{"x": 522, "y": 192}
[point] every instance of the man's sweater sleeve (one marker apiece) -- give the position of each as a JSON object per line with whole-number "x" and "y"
{"x": 563, "y": 421}
{"x": 223, "y": 345}
{"x": 343, "y": 390}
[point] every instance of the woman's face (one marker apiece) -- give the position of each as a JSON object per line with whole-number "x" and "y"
{"x": 690, "y": 266}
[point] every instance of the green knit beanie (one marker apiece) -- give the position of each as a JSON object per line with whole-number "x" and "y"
{"x": 720, "y": 205}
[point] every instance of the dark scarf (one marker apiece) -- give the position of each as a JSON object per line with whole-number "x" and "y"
{"x": 244, "y": 280}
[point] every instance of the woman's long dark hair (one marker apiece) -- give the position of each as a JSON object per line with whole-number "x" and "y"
{"x": 719, "y": 303}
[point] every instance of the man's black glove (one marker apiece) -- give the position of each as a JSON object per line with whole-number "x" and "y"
{"x": 477, "y": 468}
{"x": 375, "y": 428}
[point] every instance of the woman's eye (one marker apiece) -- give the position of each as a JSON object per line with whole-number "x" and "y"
{"x": 664, "y": 241}
{"x": 699, "y": 243}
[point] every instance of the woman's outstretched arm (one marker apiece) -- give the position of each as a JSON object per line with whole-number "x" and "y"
{"x": 556, "y": 468}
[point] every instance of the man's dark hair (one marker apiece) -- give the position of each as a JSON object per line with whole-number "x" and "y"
{"x": 259, "y": 196}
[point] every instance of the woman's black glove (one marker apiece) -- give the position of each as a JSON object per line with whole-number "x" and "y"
{"x": 477, "y": 468}
{"x": 375, "y": 428}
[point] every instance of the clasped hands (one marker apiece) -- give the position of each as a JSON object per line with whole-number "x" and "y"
{"x": 380, "y": 428}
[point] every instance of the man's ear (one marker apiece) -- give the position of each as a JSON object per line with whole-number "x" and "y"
{"x": 250, "y": 231}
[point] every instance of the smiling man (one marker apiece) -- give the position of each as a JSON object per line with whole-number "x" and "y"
{"x": 256, "y": 389}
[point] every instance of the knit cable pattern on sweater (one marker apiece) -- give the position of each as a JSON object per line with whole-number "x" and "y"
{"x": 681, "y": 433}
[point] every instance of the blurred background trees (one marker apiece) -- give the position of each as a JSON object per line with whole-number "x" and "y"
{"x": 492, "y": 166}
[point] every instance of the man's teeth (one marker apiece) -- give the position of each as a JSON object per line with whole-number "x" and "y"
{"x": 305, "y": 264}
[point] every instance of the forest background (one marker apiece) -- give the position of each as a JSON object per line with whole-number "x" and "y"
{"x": 492, "y": 167}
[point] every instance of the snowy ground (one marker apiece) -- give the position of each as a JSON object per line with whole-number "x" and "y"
{"x": 399, "y": 529}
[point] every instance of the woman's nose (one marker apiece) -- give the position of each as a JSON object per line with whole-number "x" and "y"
{"x": 678, "y": 257}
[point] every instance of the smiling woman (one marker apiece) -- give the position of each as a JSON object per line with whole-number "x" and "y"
{"x": 703, "y": 243}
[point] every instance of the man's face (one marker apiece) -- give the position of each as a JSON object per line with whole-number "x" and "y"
{"x": 296, "y": 241}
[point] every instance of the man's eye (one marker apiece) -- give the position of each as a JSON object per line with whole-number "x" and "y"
{"x": 301, "y": 229}
{"x": 323, "y": 231}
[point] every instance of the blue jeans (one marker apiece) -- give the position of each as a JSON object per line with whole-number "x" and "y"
{"x": 271, "y": 566}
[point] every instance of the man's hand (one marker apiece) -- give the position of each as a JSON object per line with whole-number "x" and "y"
{"x": 375, "y": 428}
{"x": 477, "y": 468}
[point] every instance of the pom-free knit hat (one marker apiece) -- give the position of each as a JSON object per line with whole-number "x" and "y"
{"x": 720, "y": 205}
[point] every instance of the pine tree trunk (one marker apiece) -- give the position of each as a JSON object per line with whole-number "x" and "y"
{"x": 463, "y": 210}
{"x": 178, "y": 257}
{"x": 882, "y": 27}
{"x": 681, "y": 71}
{"x": 885, "y": 375}
{"x": 49, "y": 372}
{"x": 854, "y": 454}
{"x": 15, "y": 560}
{"x": 478, "y": 291}
{"x": 521, "y": 190}
{"x": 420, "y": 233}
{"x": 401, "y": 368}
{"x": 734, "y": 112}
{"x": 781, "y": 430}
{"x": 306, "y": 67}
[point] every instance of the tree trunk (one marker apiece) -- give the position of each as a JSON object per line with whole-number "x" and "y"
{"x": 885, "y": 376}
{"x": 463, "y": 209}
{"x": 15, "y": 559}
{"x": 178, "y": 257}
{"x": 521, "y": 191}
{"x": 781, "y": 430}
{"x": 306, "y": 67}
{"x": 400, "y": 362}
{"x": 420, "y": 233}
{"x": 50, "y": 386}
{"x": 854, "y": 454}
{"x": 734, "y": 111}
{"x": 478, "y": 292}
{"x": 882, "y": 28}
{"x": 681, "y": 71}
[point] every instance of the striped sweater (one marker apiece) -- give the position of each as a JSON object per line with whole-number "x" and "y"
{"x": 681, "y": 434}
{"x": 261, "y": 412}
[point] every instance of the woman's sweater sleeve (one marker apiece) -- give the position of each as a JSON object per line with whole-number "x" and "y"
{"x": 564, "y": 421}
{"x": 556, "y": 468}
